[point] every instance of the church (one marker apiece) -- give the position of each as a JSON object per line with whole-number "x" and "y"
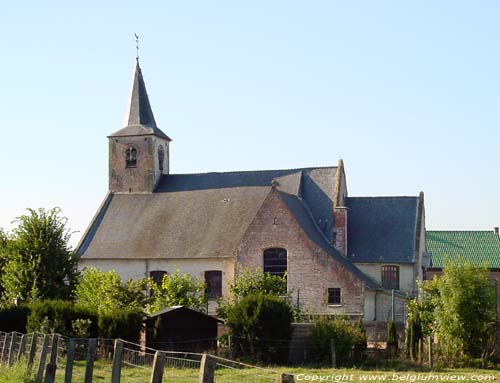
{"x": 358, "y": 256}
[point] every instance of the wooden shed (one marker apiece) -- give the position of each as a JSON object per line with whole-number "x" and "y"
{"x": 179, "y": 328}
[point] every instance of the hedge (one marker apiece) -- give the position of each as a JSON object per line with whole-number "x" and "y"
{"x": 60, "y": 316}
{"x": 14, "y": 319}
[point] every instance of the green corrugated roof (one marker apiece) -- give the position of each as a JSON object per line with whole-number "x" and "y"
{"x": 476, "y": 247}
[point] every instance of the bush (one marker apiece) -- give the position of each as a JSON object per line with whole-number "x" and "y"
{"x": 392, "y": 338}
{"x": 14, "y": 319}
{"x": 67, "y": 318}
{"x": 58, "y": 317}
{"x": 261, "y": 327}
{"x": 348, "y": 339}
{"x": 124, "y": 324}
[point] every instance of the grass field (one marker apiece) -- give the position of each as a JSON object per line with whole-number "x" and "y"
{"x": 102, "y": 373}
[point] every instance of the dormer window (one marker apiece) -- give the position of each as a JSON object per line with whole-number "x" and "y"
{"x": 131, "y": 157}
{"x": 161, "y": 158}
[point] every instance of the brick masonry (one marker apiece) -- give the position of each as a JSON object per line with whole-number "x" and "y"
{"x": 311, "y": 271}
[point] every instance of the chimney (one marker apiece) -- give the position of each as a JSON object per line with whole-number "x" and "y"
{"x": 340, "y": 230}
{"x": 495, "y": 230}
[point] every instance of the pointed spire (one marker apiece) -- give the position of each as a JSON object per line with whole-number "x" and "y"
{"x": 140, "y": 112}
{"x": 139, "y": 119}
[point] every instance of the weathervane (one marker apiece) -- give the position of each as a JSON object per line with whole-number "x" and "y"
{"x": 137, "y": 46}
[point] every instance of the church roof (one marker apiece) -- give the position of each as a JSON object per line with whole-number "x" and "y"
{"x": 140, "y": 119}
{"x": 198, "y": 215}
{"x": 382, "y": 229}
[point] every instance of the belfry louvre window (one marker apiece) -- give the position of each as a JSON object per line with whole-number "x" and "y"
{"x": 131, "y": 157}
{"x": 390, "y": 277}
{"x": 213, "y": 281}
{"x": 157, "y": 276}
{"x": 161, "y": 157}
{"x": 275, "y": 262}
{"x": 334, "y": 296}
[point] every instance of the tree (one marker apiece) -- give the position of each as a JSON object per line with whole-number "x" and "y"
{"x": 252, "y": 282}
{"x": 392, "y": 338}
{"x": 261, "y": 326}
{"x": 413, "y": 329}
{"x": 104, "y": 292}
{"x": 38, "y": 261}
{"x": 460, "y": 306}
{"x": 178, "y": 290}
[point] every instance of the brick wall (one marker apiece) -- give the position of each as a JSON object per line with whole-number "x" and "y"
{"x": 311, "y": 271}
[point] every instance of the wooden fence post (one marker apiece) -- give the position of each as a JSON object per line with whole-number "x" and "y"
{"x": 43, "y": 357}
{"x": 3, "y": 336}
{"x": 6, "y": 345}
{"x": 12, "y": 348}
{"x": 430, "y": 350}
{"x": 89, "y": 366}
{"x": 158, "y": 366}
{"x": 70, "y": 358}
{"x": 207, "y": 369}
{"x": 22, "y": 347}
{"x": 31, "y": 355}
{"x": 116, "y": 372}
{"x": 333, "y": 353}
{"x": 286, "y": 378}
{"x": 50, "y": 372}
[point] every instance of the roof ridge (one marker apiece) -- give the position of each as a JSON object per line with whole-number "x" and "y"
{"x": 384, "y": 196}
{"x": 253, "y": 171}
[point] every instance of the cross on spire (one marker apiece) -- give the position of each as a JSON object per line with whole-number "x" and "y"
{"x": 137, "y": 46}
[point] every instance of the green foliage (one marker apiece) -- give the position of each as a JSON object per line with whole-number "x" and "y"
{"x": 178, "y": 290}
{"x": 261, "y": 326}
{"x": 37, "y": 261}
{"x": 14, "y": 318}
{"x": 122, "y": 323}
{"x": 105, "y": 292}
{"x": 347, "y": 337}
{"x": 69, "y": 319}
{"x": 252, "y": 282}
{"x": 58, "y": 317}
{"x": 392, "y": 338}
{"x": 413, "y": 329}
{"x": 461, "y": 309}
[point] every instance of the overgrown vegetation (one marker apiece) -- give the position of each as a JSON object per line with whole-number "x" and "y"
{"x": 349, "y": 340}
{"x": 459, "y": 307}
{"x": 261, "y": 327}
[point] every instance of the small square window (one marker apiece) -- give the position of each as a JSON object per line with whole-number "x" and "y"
{"x": 334, "y": 296}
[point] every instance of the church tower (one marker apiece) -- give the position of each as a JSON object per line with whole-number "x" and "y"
{"x": 138, "y": 153}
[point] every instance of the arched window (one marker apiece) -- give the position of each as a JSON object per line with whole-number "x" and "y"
{"x": 131, "y": 157}
{"x": 275, "y": 262}
{"x": 161, "y": 157}
{"x": 157, "y": 276}
{"x": 213, "y": 281}
{"x": 390, "y": 277}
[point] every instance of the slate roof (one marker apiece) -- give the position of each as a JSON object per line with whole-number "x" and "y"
{"x": 476, "y": 247}
{"x": 140, "y": 120}
{"x": 198, "y": 215}
{"x": 382, "y": 229}
{"x": 304, "y": 218}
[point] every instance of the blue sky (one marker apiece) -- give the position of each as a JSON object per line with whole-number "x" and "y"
{"x": 407, "y": 93}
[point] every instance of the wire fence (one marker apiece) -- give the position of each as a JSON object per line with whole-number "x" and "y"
{"x": 53, "y": 358}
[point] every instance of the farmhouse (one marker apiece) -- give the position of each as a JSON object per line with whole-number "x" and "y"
{"x": 341, "y": 254}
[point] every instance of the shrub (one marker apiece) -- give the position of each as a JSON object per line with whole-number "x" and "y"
{"x": 124, "y": 324}
{"x": 261, "y": 327}
{"x": 58, "y": 317}
{"x": 392, "y": 338}
{"x": 14, "y": 319}
{"x": 347, "y": 339}
{"x": 69, "y": 319}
